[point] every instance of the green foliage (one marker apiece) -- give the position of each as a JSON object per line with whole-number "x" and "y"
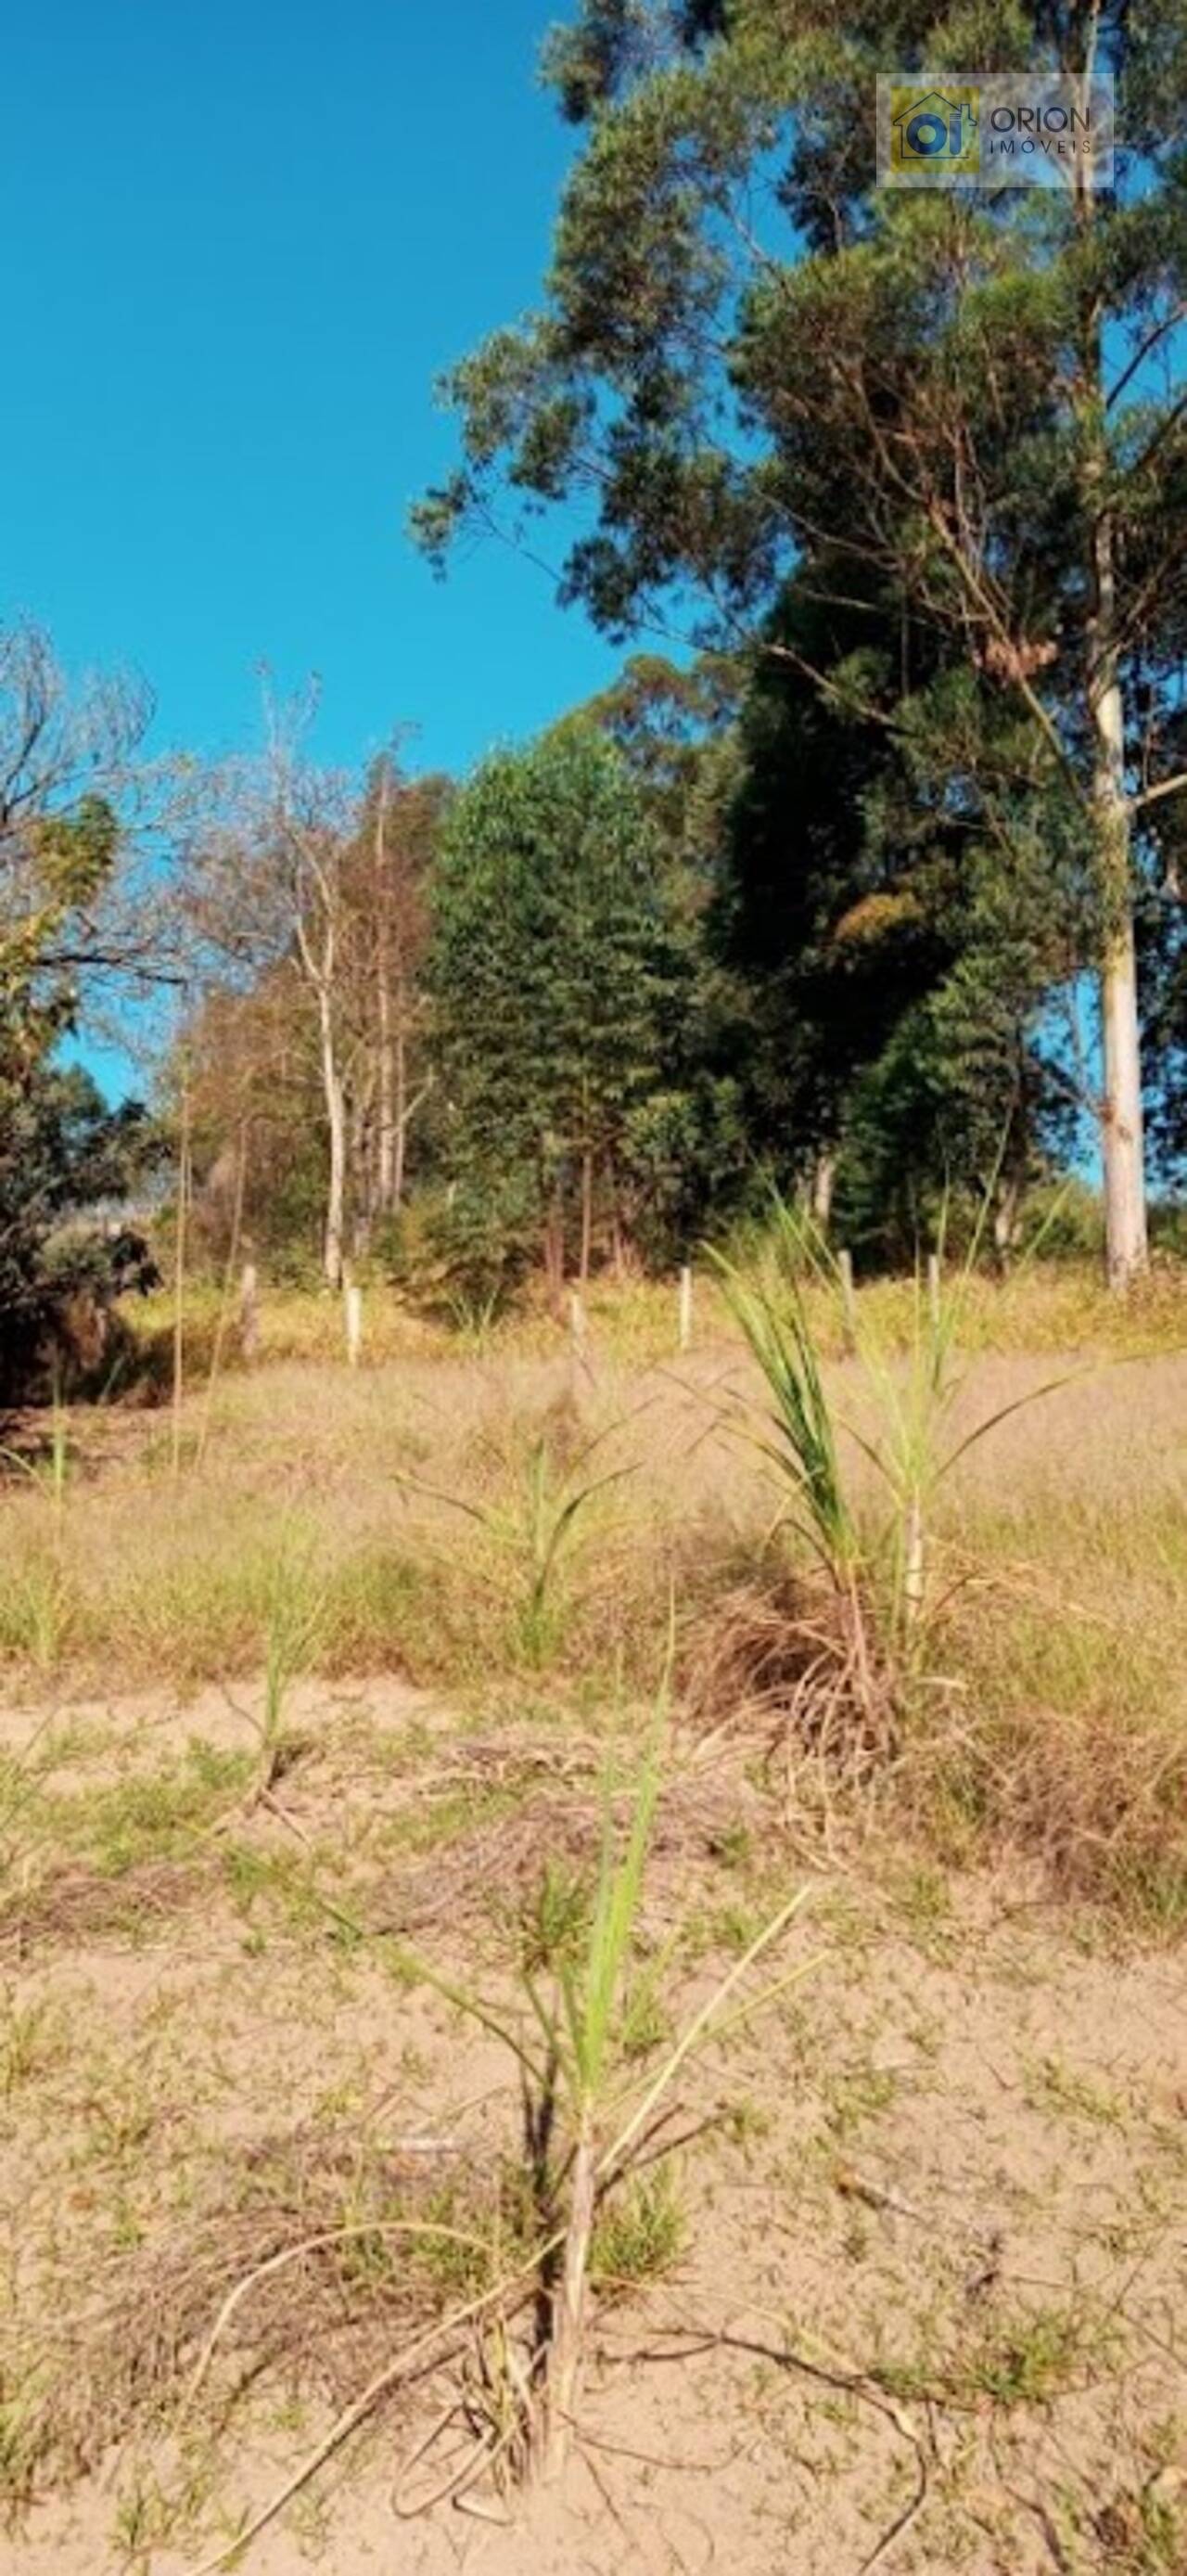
{"x": 639, "y": 2235}
{"x": 60, "y": 861}
{"x": 800, "y": 1436}
{"x": 61, "y": 1150}
{"x": 908, "y": 1433}
{"x": 953, "y": 415}
{"x": 552, "y": 964}
{"x": 63, "y": 757}
{"x": 533, "y": 1534}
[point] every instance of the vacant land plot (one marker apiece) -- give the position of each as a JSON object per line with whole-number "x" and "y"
{"x": 323, "y": 1722}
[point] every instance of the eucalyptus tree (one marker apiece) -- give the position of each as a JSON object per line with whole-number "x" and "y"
{"x": 750, "y": 357}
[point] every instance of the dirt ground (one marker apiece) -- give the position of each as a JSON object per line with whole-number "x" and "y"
{"x": 920, "y": 2301}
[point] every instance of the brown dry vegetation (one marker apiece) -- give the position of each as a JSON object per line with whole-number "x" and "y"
{"x": 295, "y": 1730}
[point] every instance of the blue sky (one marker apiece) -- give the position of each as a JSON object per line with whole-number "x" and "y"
{"x": 241, "y": 243}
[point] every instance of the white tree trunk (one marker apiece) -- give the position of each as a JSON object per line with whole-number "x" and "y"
{"x": 1121, "y": 1103}
{"x": 386, "y": 1193}
{"x": 1121, "y": 1113}
{"x": 824, "y": 1175}
{"x": 402, "y": 1112}
{"x": 389, "y": 1040}
{"x": 336, "y": 1122}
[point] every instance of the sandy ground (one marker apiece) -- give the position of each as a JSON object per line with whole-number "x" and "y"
{"x": 927, "y": 2309}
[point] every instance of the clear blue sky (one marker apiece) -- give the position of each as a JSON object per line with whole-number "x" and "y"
{"x": 241, "y": 243}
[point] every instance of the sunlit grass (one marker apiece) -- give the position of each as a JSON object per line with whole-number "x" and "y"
{"x": 1042, "y": 1307}
{"x": 319, "y": 1530}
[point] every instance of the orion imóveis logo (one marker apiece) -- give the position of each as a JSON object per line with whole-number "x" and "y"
{"x": 935, "y": 126}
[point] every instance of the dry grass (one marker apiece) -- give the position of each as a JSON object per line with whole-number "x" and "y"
{"x": 492, "y": 1868}
{"x": 76, "y": 1906}
{"x": 1055, "y": 1306}
{"x": 316, "y": 2252}
{"x": 179, "y": 1574}
{"x": 390, "y": 1511}
{"x": 922, "y": 2245}
{"x": 782, "y": 1660}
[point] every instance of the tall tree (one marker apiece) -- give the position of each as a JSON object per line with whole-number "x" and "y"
{"x": 387, "y": 886}
{"x": 63, "y": 1155}
{"x": 550, "y": 959}
{"x": 306, "y": 896}
{"x": 750, "y": 358}
{"x": 864, "y": 919}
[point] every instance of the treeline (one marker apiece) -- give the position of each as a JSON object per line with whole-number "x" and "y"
{"x": 923, "y": 451}
{"x": 871, "y": 884}
{"x": 576, "y": 1012}
{"x": 581, "y": 1009}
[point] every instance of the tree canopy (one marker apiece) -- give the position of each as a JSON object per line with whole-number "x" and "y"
{"x": 957, "y": 409}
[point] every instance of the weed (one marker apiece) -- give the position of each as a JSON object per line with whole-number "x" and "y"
{"x": 295, "y": 1623}
{"x": 746, "y": 2124}
{"x": 861, "y": 2094}
{"x": 1052, "y": 2085}
{"x": 35, "y": 1609}
{"x": 29, "y": 2040}
{"x": 1029, "y": 2359}
{"x": 556, "y": 1919}
{"x": 638, "y": 2234}
{"x": 587, "y": 2116}
{"x": 19, "y": 2443}
{"x": 150, "y": 2515}
{"x": 160, "y": 1815}
{"x": 532, "y": 1534}
{"x": 922, "y": 1902}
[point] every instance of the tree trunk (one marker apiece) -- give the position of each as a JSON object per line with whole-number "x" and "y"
{"x": 586, "y": 1213}
{"x": 361, "y": 1160}
{"x": 1006, "y": 1205}
{"x": 386, "y": 1191}
{"x": 1121, "y": 1104}
{"x": 401, "y": 1114}
{"x": 385, "y": 1174}
{"x": 617, "y": 1262}
{"x": 554, "y": 1243}
{"x": 824, "y": 1175}
{"x": 336, "y": 1121}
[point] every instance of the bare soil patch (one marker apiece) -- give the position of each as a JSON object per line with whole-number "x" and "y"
{"x": 923, "y": 2303}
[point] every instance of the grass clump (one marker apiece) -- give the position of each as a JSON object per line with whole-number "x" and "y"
{"x": 875, "y": 1561}
{"x": 531, "y": 1526}
{"x": 639, "y": 2235}
{"x": 890, "y": 1640}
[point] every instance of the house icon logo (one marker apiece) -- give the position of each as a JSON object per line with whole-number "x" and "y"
{"x": 935, "y": 130}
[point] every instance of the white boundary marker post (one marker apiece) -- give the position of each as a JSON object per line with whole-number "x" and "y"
{"x": 686, "y": 1307}
{"x": 353, "y": 1301}
{"x": 249, "y": 1312}
{"x": 848, "y": 1299}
